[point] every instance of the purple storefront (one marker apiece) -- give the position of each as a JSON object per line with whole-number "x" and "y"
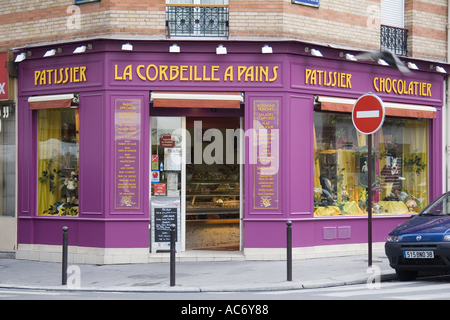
{"x": 117, "y": 145}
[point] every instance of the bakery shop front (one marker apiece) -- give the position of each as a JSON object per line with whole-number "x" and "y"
{"x": 117, "y": 145}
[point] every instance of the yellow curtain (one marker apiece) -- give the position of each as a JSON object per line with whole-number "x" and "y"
{"x": 347, "y": 174}
{"x": 415, "y": 137}
{"x": 49, "y": 150}
{"x": 361, "y": 139}
{"x": 386, "y": 187}
{"x": 316, "y": 162}
{"x": 77, "y": 128}
{"x": 348, "y": 161}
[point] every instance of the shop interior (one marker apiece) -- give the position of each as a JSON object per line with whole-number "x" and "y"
{"x": 206, "y": 178}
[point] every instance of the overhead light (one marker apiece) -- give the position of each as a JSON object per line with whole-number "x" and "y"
{"x": 50, "y": 53}
{"x": 267, "y": 49}
{"x": 351, "y": 57}
{"x": 127, "y": 46}
{"x": 80, "y": 49}
{"x": 174, "y": 48}
{"x": 412, "y": 65}
{"x": 347, "y": 56}
{"x": 382, "y": 62}
{"x": 221, "y": 49}
{"x": 314, "y": 52}
{"x": 440, "y": 69}
{"x": 20, "y": 57}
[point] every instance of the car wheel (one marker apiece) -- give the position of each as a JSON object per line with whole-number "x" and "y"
{"x": 406, "y": 275}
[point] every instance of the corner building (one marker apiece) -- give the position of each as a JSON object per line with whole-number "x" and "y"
{"x": 228, "y": 137}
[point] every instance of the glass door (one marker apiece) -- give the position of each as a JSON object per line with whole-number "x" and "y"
{"x": 196, "y": 182}
{"x": 213, "y": 183}
{"x": 167, "y": 177}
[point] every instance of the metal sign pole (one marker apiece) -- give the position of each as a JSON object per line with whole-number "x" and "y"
{"x": 368, "y": 116}
{"x": 369, "y": 199}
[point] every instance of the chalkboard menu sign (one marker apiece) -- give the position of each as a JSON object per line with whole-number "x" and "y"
{"x": 164, "y": 217}
{"x": 165, "y": 211}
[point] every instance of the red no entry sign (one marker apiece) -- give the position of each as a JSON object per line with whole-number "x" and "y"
{"x": 368, "y": 114}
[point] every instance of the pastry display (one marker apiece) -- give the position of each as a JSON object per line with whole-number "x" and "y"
{"x": 212, "y": 200}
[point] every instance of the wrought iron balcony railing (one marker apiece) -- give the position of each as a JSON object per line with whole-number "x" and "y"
{"x": 394, "y": 39}
{"x": 197, "y": 20}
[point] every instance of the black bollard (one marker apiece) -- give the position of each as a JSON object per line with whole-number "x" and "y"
{"x": 64, "y": 256}
{"x": 289, "y": 250}
{"x": 172, "y": 254}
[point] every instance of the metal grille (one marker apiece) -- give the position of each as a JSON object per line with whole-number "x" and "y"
{"x": 197, "y": 21}
{"x": 436, "y": 261}
{"x": 394, "y": 39}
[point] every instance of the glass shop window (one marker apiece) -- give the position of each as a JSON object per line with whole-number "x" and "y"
{"x": 58, "y": 162}
{"x": 7, "y": 160}
{"x": 399, "y": 166}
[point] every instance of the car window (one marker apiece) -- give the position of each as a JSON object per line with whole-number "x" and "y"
{"x": 439, "y": 207}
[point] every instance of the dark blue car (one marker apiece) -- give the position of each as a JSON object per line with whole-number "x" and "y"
{"x": 423, "y": 242}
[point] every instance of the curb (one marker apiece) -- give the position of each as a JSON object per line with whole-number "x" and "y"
{"x": 283, "y": 286}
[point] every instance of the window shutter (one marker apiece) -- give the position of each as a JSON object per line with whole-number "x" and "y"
{"x": 393, "y": 13}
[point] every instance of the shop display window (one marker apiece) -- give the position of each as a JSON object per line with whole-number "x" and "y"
{"x": 7, "y": 161}
{"x": 58, "y": 162}
{"x": 400, "y": 166}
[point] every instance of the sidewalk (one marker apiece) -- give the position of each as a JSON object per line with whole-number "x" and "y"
{"x": 197, "y": 276}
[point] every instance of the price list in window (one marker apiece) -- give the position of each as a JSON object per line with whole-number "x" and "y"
{"x": 266, "y": 150}
{"x": 127, "y": 153}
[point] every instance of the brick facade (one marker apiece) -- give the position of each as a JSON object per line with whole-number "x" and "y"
{"x": 353, "y": 24}
{"x": 427, "y": 22}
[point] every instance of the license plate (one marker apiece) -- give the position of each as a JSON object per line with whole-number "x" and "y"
{"x": 418, "y": 254}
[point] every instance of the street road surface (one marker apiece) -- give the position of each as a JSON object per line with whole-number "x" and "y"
{"x": 432, "y": 288}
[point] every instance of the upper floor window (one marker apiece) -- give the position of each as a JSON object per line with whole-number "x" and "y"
{"x": 197, "y": 18}
{"x": 393, "y": 34}
{"x": 393, "y": 13}
{"x": 221, "y": 2}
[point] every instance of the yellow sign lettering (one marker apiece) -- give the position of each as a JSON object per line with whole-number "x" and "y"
{"x": 183, "y": 69}
{"x": 174, "y": 72}
{"x": 241, "y": 71}
{"x": 204, "y": 75}
{"x": 228, "y": 74}
{"x": 402, "y": 87}
{"x": 195, "y": 75}
{"x": 162, "y": 72}
{"x": 138, "y": 72}
{"x": 63, "y": 75}
{"x": 264, "y": 71}
{"x": 37, "y": 75}
{"x": 201, "y": 73}
{"x": 128, "y": 73}
{"x": 327, "y": 78}
{"x": 147, "y": 72}
{"x": 116, "y": 77}
{"x": 214, "y": 69}
{"x": 275, "y": 74}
